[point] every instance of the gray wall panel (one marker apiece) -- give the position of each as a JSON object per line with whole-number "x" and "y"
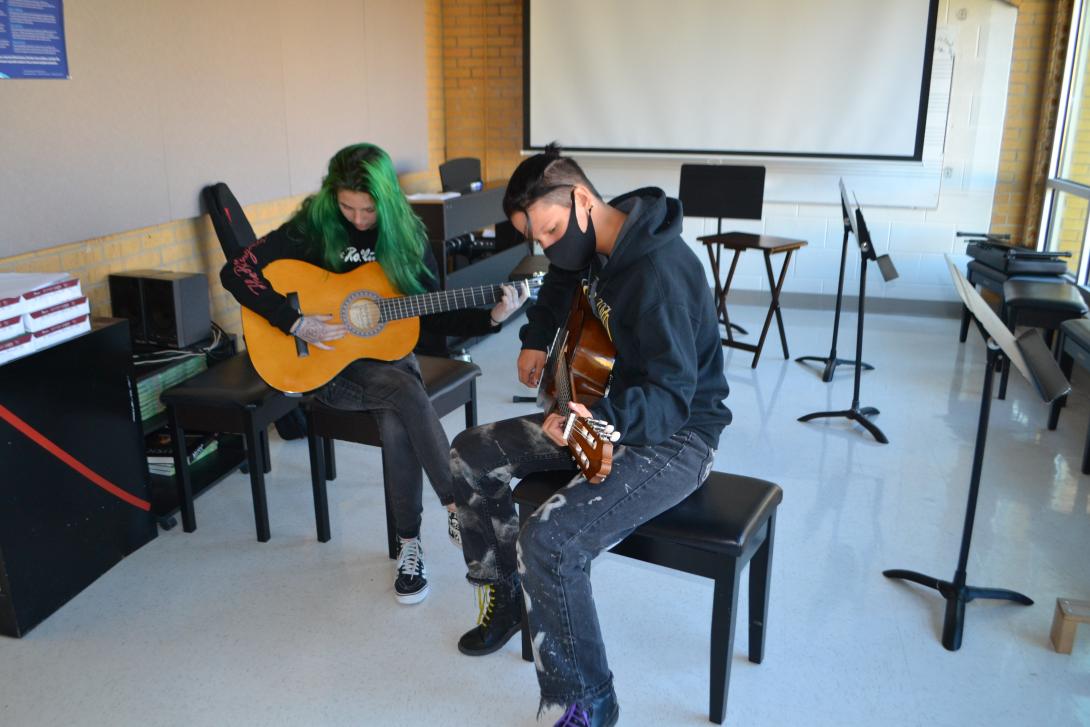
{"x": 315, "y": 84}
{"x": 167, "y": 97}
{"x": 83, "y": 157}
{"x": 221, "y": 68}
{"x": 397, "y": 94}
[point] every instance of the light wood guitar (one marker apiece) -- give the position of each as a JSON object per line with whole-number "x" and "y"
{"x": 579, "y": 368}
{"x": 382, "y": 324}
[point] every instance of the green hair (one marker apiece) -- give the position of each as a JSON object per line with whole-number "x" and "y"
{"x": 401, "y": 234}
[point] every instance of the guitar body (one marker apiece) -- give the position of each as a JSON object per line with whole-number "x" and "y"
{"x": 578, "y": 369}
{"x": 351, "y": 298}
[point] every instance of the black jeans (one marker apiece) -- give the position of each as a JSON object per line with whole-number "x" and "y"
{"x": 555, "y": 548}
{"x": 412, "y": 436}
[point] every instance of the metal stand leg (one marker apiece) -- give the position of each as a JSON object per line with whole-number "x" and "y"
{"x": 956, "y": 592}
{"x": 859, "y": 415}
{"x": 831, "y": 361}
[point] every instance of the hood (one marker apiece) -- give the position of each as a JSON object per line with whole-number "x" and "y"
{"x": 654, "y": 220}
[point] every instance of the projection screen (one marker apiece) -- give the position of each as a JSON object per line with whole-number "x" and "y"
{"x": 797, "y": 78}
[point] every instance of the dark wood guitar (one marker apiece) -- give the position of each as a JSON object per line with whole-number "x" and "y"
{"x": 382, "y": 323}
{"x": 578, "y": 369}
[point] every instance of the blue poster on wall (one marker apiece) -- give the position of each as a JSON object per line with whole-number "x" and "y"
{"x": 32, "y": 39}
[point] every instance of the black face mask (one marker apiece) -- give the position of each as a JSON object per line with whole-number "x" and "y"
{"x": 575, "y": 248}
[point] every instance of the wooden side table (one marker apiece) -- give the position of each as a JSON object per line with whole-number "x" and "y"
{"x": 738, "y": 242}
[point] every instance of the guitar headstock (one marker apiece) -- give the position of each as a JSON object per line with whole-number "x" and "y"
{"x": 591, "y": 443}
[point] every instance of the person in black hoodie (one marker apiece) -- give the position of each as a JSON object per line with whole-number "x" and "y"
{"x": 360, "y": 215}
{"x": 665, "y": 399}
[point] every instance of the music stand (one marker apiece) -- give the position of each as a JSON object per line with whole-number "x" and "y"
{"x": 1029, "y": 355}
{"x": 831, "y": 362}
{"x": 722, "y": 191}
{"x": 867, "y": 254}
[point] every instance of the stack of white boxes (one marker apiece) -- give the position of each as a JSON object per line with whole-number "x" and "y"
{"x": 38, "y": 310}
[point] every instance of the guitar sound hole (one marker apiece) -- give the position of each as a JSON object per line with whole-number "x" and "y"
{"x": 361, "y": 315}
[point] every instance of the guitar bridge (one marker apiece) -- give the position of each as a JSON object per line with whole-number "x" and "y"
{"x": 301, "y": 348}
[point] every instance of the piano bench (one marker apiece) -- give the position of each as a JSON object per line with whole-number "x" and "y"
{"x": 228, "y": 398}
{"x": 726, "y": 523}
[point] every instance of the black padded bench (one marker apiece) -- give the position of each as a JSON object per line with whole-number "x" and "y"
{"x": 995, "y": 261}
{"x": 450, "y": 384}
{"x": 1040, "y": 302}
{"x": 728, "y": 522}
{"x": 228, "y": 398}
{"x": 1074, "y": 346}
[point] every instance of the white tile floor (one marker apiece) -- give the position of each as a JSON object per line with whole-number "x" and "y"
{"x": 214, "y": 628}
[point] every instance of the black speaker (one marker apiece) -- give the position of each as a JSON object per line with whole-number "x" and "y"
{"x": 127, "y": 301}
{"x": 166, "y": 308}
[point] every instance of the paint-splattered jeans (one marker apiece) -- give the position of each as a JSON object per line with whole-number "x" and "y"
{"x": 558, "y": 543}
{"x": 412, "y": 436}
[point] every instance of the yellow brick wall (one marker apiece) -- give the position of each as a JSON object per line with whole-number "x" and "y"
{"x": 482, "y": 83}
{"x": 1032, "y": 99}
{"x": 188, "y": 245}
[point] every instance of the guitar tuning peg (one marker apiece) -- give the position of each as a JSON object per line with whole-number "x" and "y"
{"x": 614, "y": 436}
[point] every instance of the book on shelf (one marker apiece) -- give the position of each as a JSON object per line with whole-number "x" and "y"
{"x": 159, "y": 447}
{"x": 150, "y": 385}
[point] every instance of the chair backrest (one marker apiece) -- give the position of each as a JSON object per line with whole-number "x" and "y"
{"x": 456, "y": 175}
{"x": 722, "y": 191}
{"x": 232, "y": 227}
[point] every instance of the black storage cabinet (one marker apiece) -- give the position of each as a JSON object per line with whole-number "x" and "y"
{"x": 58, "y": 530}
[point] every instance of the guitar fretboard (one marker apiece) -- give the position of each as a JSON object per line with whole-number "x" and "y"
{"x": 563, "y": 391}
{"x": 412, "y": 306}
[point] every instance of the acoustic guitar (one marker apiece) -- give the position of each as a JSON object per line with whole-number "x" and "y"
{"x": 382, "y": 324}
{"x": 579, "y": 368}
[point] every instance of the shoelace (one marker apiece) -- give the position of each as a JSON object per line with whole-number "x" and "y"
{"x": 410, "y": 559}
{"x": 486, "y": 602}
{"x": 576, "y": 716}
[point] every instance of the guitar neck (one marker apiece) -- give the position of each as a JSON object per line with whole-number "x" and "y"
{"x": 413, "y": 306}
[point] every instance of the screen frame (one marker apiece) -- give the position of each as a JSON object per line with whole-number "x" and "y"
{"x": 921, "y": 118}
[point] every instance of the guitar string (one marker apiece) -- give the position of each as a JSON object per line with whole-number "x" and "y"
{"x": 411, "y": 306}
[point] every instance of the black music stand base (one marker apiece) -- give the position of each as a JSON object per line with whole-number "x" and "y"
{"x": 956, "y": 592}
{"x": 856, "y": 414}
{"x": 831, "y": 362}
{"x": 859, "y": 414}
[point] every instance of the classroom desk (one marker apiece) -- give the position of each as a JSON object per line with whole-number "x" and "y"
{"x": 769, "y": 246}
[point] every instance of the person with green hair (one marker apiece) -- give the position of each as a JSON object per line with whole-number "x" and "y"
{"x": 360, "y": 215}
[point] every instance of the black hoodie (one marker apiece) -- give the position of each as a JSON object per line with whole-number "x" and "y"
{"x": 652, "y": 296}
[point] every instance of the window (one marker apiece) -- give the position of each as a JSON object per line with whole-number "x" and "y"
{"x": 1066, "y": 215}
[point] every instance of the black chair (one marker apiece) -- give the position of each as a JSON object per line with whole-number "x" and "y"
{"x": 227, "y": 398}
{"x": 450, "y": 384}
{"x": 728, "y": 522}
{"x": 459, "y": 175}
